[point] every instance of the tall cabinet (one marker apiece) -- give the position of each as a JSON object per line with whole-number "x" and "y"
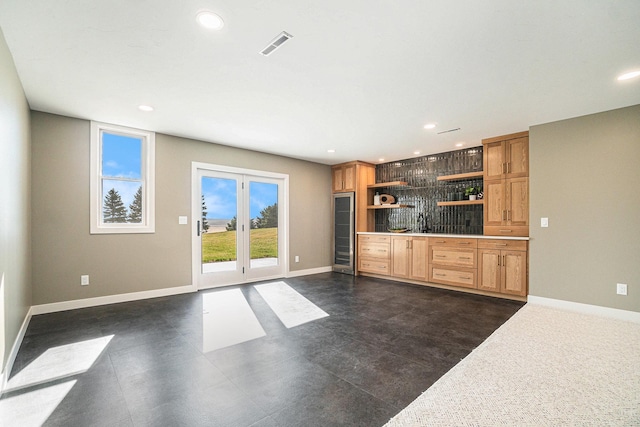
{"x": 506, "y": 185}
{"x": 353, "y": 177}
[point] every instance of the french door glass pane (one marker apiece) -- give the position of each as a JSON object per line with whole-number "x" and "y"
{"x": 219, "y": 223}
{"x": 263, "y": 236}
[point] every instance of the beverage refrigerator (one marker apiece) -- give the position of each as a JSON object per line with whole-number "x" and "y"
{"x": 344, "y": 233}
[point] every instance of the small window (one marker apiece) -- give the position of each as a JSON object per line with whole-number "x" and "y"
{"x": 122, "y": 179}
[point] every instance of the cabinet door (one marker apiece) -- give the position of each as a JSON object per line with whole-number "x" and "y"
{"x": 419, "y": 254}
{"x": 489, "y": 269}
{"x": 493, "y": 160}
{"x": 349, "y": 177}
{"x": 338, "y": 179}
{"x": 400, "y": 256}
{"x": 517, "y": 201}
{"x": 514, "y": 273}
{"x": 517, "y": 157}
{"x": 494, "y": 203}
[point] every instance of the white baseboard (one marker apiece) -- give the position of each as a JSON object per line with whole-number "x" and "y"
{"x": 110, "y": 299}
{"x": 596, "y": 310}
{"x": 309, "y": 271}
{"x": 14, "y": 350}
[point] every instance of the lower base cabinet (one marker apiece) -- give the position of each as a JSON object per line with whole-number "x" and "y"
{"x": 452, "y": 261}
{"x": 409, "y": 257}
{"x": 503, "y": 270}
{"x": 374, "y": 254}
{"x": 497, "y": 266}
{"x": 456, "y": 277}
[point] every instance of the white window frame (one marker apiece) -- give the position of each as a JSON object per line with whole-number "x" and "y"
{"x": 148, "y": 179}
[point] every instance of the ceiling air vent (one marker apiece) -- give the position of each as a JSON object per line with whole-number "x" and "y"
{"x": 276, "y": 43}
{"x": 447, "y": 131}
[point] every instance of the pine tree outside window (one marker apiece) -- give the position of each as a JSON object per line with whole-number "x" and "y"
{"x": 122, "y": 179}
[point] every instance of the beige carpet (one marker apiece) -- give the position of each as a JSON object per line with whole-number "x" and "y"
{"x": 543, "y": 367}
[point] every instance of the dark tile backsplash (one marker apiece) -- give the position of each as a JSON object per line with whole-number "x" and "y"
{"x": 424, "y": 191}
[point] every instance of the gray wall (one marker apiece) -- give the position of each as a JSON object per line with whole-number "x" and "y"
{"x": 585, "y": 177}
{"x": 63, "y": 249}
{"x": 15, "y": 286}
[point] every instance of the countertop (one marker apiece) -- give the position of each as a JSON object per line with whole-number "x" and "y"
{"x": 460, "y": 236}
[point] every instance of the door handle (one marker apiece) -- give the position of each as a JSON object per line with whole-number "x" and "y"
{"x": 198, "y": 228}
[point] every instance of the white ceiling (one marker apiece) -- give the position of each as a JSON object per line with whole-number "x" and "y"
{"x": 359, "y": 76}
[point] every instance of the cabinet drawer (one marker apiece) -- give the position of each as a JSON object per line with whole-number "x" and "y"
{"x": 453, "y": 256}
{"x": 372, "y": 265}
{"x": 519, "y": 231}
{"x": 374, "y": 238}
{"x": 374, "y": 250}
{"x": 514, "y": 245}
{"x": 453, "y": 242}
{"x": 462, "y": 277}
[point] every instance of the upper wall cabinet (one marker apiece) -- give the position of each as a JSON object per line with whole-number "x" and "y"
{"x": 344, "y": 177}
{"x": 506, "y": 185}
{"x": 506, "y": 156}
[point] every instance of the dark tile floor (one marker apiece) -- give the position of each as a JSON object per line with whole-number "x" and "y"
{"x": 382, "y": 345}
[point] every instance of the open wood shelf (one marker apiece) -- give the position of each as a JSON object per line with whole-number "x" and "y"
{"x": 395, "y": 206}
{"x": 388, "y": 184}
{"x": 462, "y": 203}
{"x": 459, "y": 176}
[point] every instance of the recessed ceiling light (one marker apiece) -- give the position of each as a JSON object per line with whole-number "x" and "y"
{"x": 416, "y": 152}
{"x": 459, "y": 144}
{"x": 430, "y": 126}
{"x": 331, "y": 150}
{"x": 210, "y": 20}
{"x": 630, "y": 75}
{"x": 381, "y": 160}
{"x": 145, "y": 108}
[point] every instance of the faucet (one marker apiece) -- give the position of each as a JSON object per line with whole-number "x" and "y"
{"x": 423, "y": 223}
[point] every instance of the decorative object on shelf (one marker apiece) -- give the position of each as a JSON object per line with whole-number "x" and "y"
{"x": 480, "y": 195}
{"x": 376, "y": 199}
{"x": 387, "y": 199}
{"x": 472, "y": 192}
{"x": 398, "y": 230}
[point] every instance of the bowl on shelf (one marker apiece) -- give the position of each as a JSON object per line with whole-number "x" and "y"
{"x": 398, "y": 230}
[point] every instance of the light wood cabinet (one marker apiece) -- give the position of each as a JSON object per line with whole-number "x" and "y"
{"x": 506, "y": 156}
{"x": 496, "y": 267}
{"x": 506, "y": 185}
{"x": 374, "y": 254}
{"x": 344, "y": 177}
{"x": 409, "y": 257}
{"x": 502, "y": 266}
{"x": 354, "y": 177}
{"x": 453, "y": 261}
{"x": 506, "y": 207}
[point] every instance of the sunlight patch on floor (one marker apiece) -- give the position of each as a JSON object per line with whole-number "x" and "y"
{"x": 60, "y": 362}
{"x": 33, "y": 408}
{"x": 228, "y": 320}
{"x": 291, "y": 308}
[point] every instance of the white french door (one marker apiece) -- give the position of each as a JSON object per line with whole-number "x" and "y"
{"x": 239, "y": 219}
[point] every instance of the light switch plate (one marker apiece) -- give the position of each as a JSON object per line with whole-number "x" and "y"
{"x": 544, "y": 222}
{"x": 84, "y": 280}
{"x": 182, "y": 220}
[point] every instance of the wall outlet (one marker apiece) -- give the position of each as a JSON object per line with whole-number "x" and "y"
{"x": 544, "y": 222}
{"x": 182, "y": 220}
{"x": 621, "y": 289}
{"x": 297, "y": 258}
{"x": 84, "y": 280}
